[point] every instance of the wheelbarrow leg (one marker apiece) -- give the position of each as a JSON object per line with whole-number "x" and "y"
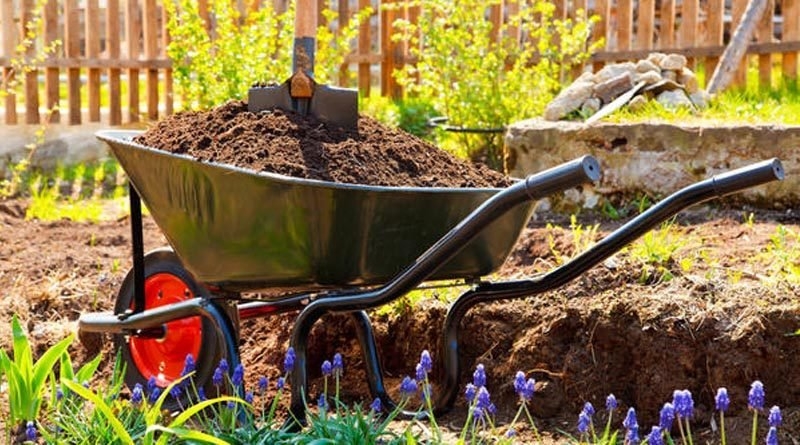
{"x": 366, "y": 338}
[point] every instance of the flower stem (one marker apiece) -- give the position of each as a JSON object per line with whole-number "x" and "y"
{"x": 688, "y": 431}
{"x": 680, "y": 428}
{"x": 755, "y": 427}
{"x": 722, "y": 426}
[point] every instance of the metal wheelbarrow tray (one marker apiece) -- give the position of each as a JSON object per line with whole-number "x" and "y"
{"x": 243, "y": 230}
{"x": 337, "y": 248}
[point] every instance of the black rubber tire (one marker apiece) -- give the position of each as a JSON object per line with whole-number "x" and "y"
{"x": 165, "y": 261}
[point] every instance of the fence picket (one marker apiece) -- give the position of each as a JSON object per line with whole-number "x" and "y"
{"x": 32, "y": 75}
{"x": 364, "y": 49}
{"x": 92, "y": 20}
{"x": 714, "y": 31}
{"x": 72, "y": 48}
{"x": 169, "y": 92}
{"x": 113, "y": 53}
{"x": 52, "y": 83}
{"x": 646, "y": 23}
{"x": 764, "y": 31}
{"x": 790, "y": 32}
{"x": 624, "y": 24}
{"x": 132, "y": 34}
{"x": 666, "y": 35}
{"x": 689, "y": 11}
{"x": 9, "y": 42}
{"x": 150, "y": 15}
{"x": 737, "y": 11}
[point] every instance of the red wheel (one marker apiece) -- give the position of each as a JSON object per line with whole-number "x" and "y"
{"x": 164, "y": 357}
{"x": 167, "y": 282}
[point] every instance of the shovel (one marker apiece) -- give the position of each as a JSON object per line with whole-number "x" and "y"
{"x": 300, "y": 92}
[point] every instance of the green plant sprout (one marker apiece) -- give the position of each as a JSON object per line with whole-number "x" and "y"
{"x": 583, "y": 237}
{"x": 27, "y": 380}
{"x": 656, "y": 251}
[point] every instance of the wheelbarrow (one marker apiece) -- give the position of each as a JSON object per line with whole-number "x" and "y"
{"x": 322, "y": 247}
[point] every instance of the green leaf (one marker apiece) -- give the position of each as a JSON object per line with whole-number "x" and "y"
{"x": 184, "y": 434}
{"x": 22, "y": 349}
{"x": 87, "y": 371}
{"x": 46, "y": 362}
{"x": 100, "y": 405}
{"x": 196, "y": 408}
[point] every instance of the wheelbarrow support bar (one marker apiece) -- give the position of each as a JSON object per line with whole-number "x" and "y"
{"x": 536, "y": 186}
{"x": 717, "y": 186}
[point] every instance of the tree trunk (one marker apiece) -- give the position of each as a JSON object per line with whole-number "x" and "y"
{"x": 736, "y": 47}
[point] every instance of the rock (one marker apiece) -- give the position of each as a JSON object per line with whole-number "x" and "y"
{"x": 645, "y": 65}
{"x": 700, "y": 98}
{"x": 591, "y": 106}
{"x": 649, "y": 77}
{"x": 611, "y": 88}
{"x": 637, "y": 103}
{"x": 586, "y": 76}
{"x": 614, "y": 70}
{"x": 656, "y": 58}
{"x": 674, "y": 62}
{"x": 688, "y": 79}
{"x": 674, "y": 99}
{"x": 669, "y": 75}
{"x": 568, "y": 100}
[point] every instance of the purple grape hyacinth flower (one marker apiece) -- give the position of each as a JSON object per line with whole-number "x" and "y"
{"x": 263, "y": 383}
{"x": 588, "y": 408}
{"x": 426, "y": 361}
{"x": 772, "y": 436}
{"x": 376, "y": 405}
{"x": 775, "y": 418}
{"x": 655, "y": 437}
{"x": 470, "y": 392}
{"x": 327, "y": 368}
{"x": 519, "y": 383}
{"x": 223, "y": 366}
{"x": 238, "y": 375}
{"x": 721, "y": 400}
{"x": 152, "y": 384}
{"x": 188, "y": 365}
{"x": 611, "y": 402}
{"x": 322, "y": 402}
{"x": 630, "y": 421}
{"x": 30, "y": 431}
{"x": 483, "y": 398}
{"x": 408, "y": 387}
{"x": 288, "y": 360}
{"x": 201, "y": 394}
{"x": 248, "y": 397}
{"x": 280, "y": 383}
{"x": 632, "y": 435}
{"x": 755, "y": 398}
{"x": 137, "y": 395}
{"x": 666, "y": 417}
{"x": 338, "y": 365}
{"x": 216, "y": 379}
{"x": 584, "y": 420}
{"x": 683, "y": 403}
{"x": 60, "y": 393}
{"x": 175, "y": 392}
{"x": 420, "y": 373}
{"x": 479, "y": 376}
{"x": 530, "y": 388}
{"x": 511, "y": 433}
{"x": 154, "y": 395}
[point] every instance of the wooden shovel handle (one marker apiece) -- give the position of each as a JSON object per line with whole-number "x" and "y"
{"x": 305, "y": 19}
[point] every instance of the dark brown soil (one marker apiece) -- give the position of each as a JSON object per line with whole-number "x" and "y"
{"x": 287, "y": 143}
{"x": 606, "y": 332}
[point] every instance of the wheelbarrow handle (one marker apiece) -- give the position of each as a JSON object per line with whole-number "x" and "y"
{"x": 748, "y": 176}
{"x": 562, "y": 177}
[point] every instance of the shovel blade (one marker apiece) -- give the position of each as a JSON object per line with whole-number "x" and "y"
{"x": 269, "y": 97}
{"x": 335, "y": 105}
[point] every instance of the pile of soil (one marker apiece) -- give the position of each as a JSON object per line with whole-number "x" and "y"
{"x": 290, "y": 144}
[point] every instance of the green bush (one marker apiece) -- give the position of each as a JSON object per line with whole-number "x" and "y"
{"x": 212, "y": 68}
{"x": 478, "y": 82}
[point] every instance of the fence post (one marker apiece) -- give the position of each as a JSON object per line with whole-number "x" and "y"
{"x": 149, "y": 12}
{"x": 666, "y": 35}
{"x": 715, "y": 29}
{"x": 624, "y": 24}
{"x": 169, "y": 93}
{"x": 689, "y": 10}
{"x": 764, "y": 31}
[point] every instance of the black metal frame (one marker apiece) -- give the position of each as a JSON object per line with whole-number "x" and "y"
{"x": 314, "y": 306}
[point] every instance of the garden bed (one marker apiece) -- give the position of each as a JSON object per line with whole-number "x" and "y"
{"x": 725, "y": 318}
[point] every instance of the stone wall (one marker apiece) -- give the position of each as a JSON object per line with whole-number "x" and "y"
{"x": 657, "y": 159}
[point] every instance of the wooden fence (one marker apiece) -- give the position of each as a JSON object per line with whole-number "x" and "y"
{"x": 111, "y": 66}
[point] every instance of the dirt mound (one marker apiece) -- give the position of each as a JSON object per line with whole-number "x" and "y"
{"x": 287, "y": 143}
